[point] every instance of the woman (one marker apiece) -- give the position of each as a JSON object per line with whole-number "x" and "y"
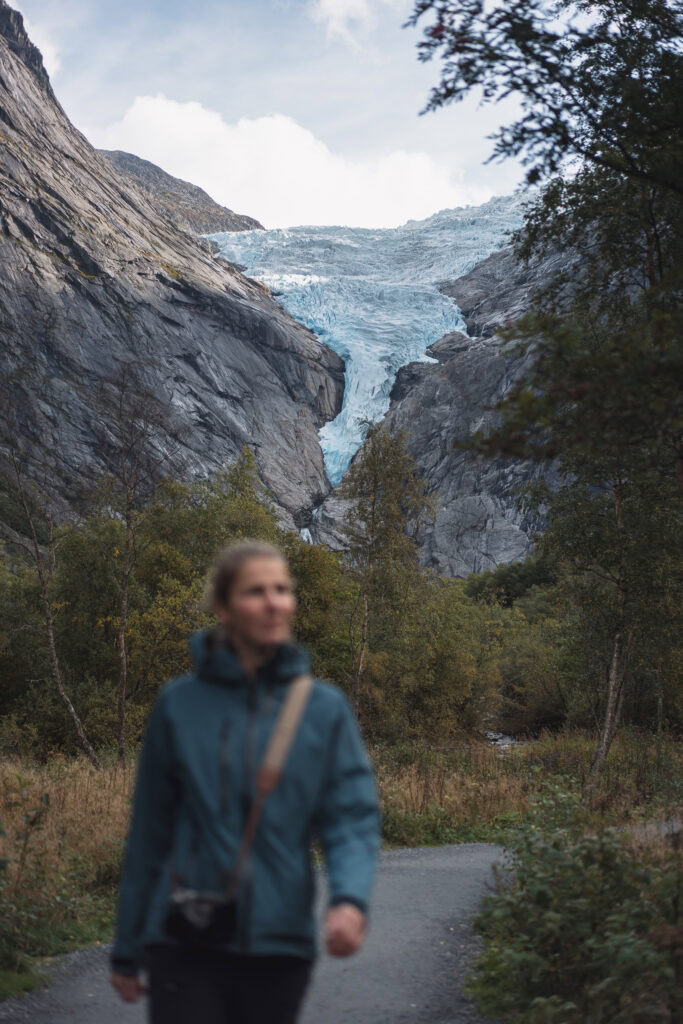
{"x": 195, "y": 789}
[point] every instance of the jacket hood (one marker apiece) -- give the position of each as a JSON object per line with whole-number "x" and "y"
{"x": 217, "y": 662}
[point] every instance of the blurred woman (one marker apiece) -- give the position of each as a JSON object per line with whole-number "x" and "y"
{"x": 225, "y": 937}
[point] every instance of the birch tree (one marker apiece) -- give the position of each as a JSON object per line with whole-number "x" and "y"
{"x": 388, "y": 504}
{"x": 139, "y": 442}
{"x": 37, "y": 541}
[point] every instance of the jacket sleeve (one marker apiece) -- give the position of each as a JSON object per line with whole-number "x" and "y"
{"x": 348, "y": 815}
{"x": 149, "y": 840}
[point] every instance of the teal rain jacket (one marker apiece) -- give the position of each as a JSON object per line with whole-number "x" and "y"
{"x": 204, "y": 742}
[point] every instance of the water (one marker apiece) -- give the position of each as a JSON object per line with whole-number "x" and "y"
{"x": 372, "y": 296}
{"x": 502, "y": 741}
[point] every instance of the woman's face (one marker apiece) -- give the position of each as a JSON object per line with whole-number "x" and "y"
{"x": 261, "y": 605}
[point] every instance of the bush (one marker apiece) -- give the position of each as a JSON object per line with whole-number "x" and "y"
{"x": 586, "y": 929}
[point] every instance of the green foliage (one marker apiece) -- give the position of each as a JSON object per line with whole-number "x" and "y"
{"x": 600, "y": 395}
{"x": 388, "y": 503}
{"x": 387, "y": 506}
{"x": 585, "y": 928}
{"x": 508, "y": 583}
{"x": 597, "y": 81}
{"x": 16, "y": 983}
{"x": 436, "y": 827}
{"x": 178, "y": 531}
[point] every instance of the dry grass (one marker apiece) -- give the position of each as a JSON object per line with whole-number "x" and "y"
{"x": 65, "y": 816}
{"x": 477, "y": 792}
{"x": 62, "y": 828}
{"x": 470, "y": 786}
{"x": 475, "y": 786}
{"x": 465, "y": 794}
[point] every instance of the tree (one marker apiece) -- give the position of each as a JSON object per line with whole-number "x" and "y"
{"x": 177, "y": 531}
{"x": 387, "y": 505}
{"x": 600, "y": 128}
{"x": 605, "y": 331}
{"x": 37, "y": 540}
{"x": 139, "y": 442}
{"x": 598, "y": 80}
{"x": 616, "y": 538}
{"x": 599, "y": 85}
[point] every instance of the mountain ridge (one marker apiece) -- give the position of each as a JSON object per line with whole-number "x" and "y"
{"x": 95, "y": 278}
{"x": 190, "y": 206}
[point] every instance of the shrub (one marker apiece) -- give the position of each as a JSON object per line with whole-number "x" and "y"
{"x": 585, "y": 929}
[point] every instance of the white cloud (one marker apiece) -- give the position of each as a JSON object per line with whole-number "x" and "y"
{"x": 341, "y": 17}
{"x": 40, "y": 35}
{"x": 276, "y": 170}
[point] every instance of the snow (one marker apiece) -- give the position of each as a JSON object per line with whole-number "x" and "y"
{"x": 372, "y": 296}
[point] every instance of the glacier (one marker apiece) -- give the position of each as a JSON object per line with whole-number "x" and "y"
{"x": 372, "y": 295}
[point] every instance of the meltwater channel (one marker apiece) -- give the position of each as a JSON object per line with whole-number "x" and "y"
{"x": 372, "y": 296}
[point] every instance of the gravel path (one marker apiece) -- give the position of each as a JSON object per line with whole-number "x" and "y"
{"x": 410, "y": 972}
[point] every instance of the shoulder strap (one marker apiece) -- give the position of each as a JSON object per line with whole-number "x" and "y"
{"x": 283, "y": 734}
{"x": 270, "y": 770}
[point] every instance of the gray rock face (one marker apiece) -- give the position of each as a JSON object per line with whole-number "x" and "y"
{"x": 327, "y": 521}
{"x": 12, "y": 29}
{"x": 187, "y": 205}
{"x": 498, "y": 290}
{"x": 94, "y": 277}
{"x": 477, "y": 525}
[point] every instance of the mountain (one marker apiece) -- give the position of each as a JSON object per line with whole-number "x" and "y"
{"x": 188, "y": 206}
{"x": 435, "y": 404}
{"x": 435, "y": 291}
{"x": 477, "y": 525}
{"x": 372, "y": 294}
{"x": 97, "y": 276}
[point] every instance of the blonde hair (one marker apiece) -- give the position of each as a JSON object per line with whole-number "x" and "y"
{"x": 230, "y": 562}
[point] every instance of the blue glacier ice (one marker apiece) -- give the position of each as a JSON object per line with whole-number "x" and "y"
{"x": 372, "y": 296}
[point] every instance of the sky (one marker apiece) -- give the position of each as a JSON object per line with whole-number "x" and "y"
{"x": 290, "y": 111}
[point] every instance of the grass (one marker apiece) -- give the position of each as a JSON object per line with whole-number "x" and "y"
{"x": 16, "y": 983}
{"x": 476, "y": 793}
{"x": 63, "y": 827}
{"x": 459, "y": 796}
{"x": 169, "y": 270}
{"x": 65, "y": 824}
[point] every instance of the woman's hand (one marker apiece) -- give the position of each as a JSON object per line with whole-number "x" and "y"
{"x": 130, "y": 989}
{"x": 344, "y": 929}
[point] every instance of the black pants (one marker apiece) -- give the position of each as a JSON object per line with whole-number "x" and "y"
{"x": 186, "y": 987}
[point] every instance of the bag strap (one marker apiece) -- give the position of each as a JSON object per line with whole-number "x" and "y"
{"x": 270, "y": 770}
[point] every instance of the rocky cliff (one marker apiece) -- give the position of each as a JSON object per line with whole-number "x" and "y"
{"x": 188, "y": 206}
{"x": 477, "y": 525}
{"x": 499, "y": 290}
{"x": 94, "y": 276}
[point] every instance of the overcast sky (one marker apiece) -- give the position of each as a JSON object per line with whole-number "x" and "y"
{"x": 292, "y": 111}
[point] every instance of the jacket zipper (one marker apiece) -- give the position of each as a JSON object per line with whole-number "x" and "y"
{"x": 250, "y": 792}
{"x": 224, "y": 769}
